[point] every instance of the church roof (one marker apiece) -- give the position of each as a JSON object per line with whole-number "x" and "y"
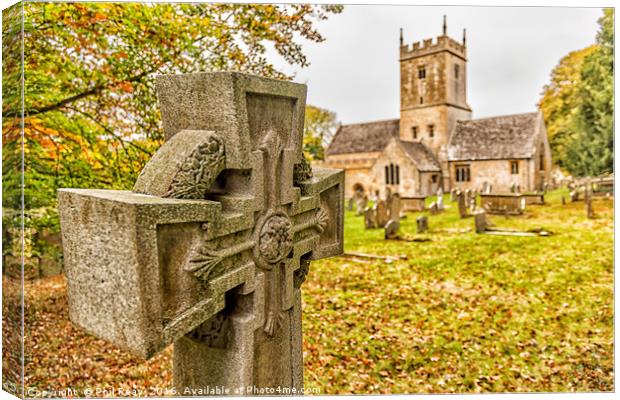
{"x": 421, "y": 156}
{"x": 366, "y": 137}
{"x": 503, "y": 137}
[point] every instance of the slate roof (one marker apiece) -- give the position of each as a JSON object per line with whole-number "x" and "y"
{"x": 363, "y": 138}
{"x": 503, "y": 137}
{"x": 422, "y": 157}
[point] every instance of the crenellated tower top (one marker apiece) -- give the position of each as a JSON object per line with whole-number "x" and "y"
{"x": 430, "y": 46}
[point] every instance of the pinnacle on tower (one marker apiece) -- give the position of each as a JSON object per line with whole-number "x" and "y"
{"x": 401, "y": 36}
{"x": 464, "y": 35}
{"x": 445, "y": 25}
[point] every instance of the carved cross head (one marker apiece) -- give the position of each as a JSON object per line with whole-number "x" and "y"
{"x": 227, "y": 204}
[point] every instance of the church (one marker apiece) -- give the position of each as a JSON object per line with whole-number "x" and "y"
{"x": 435, "y": 142}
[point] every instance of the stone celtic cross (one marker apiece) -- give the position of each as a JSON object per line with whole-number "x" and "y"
{"x": 211, "y": 246}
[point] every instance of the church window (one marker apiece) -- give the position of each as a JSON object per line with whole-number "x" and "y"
{"x": 462, "y": 173}
{"x": 414, "y": 132}
{"x": 514, "y": 167}
{"x": 456, "y": 71}
{"x": 434, "y": 178}
{"x": 422, "y": 72}
{"x": 392, "y": 174}
{"x": 542, "y": 159}
{"x": 421, "y": 100}
{"x": 431, "y": 130}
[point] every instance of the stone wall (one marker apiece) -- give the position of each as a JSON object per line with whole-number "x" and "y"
{"x": 496, "y": 172}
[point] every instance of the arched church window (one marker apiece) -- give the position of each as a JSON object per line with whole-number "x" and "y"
{"x": 387, "y": 175}
{"x": 397, "y": 175}
{"x": 392, "y": 174}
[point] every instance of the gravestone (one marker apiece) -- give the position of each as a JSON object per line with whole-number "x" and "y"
{"x": 394, "y": 207}
{"x": 433, "y": 208}
{"x": 588, "y": 201}
{"x": 210, "y": 249}
{"x": 391, "y": 229}
{"x": 574, "y": 195}
{"x": 453, "y": 195}
{"x": 422, "y": 223}
{"x": 440, "y": 205}
{"x": 370, "y": 217}
{"x": 460, "y": 196}
{"x": 481, "y": 221}
{"x": 563, "y": 201}
{"x": 382, "y": 213}
{"x": 351, "y": 203}
{"x": 362, "y": 203}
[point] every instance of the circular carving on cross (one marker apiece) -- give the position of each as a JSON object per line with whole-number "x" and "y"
{"x": 275, "y": 237}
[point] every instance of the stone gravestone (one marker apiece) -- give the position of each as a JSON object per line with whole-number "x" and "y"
{"x": 362, "y": 202}
{"x": 563, "y": 201}
{"x": 351, "y": 203}
{"x": 422, "y": 223}
{"x": 462, "y": 204}
{"x": 391, "y": 229}
{"x": 453, "y": 195}
{"x": 440, "y": 205}
{"x": 433, "y": 208}
{"x": 370, "y": 217}
{"x": 382, "y": 213}
{"x": 588, "y": 201}
{"x": 211, "y": 247}
{"x": 394, "y": 207}
{"x": 481, "y": 221}
{"x": 574, "y": 195}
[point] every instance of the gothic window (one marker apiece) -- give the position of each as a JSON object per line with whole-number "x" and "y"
{"x": 414, "y": 132}
{"x": 462, "y": 173}
{"x": 392, "y": 174}
{"x": 542, "y": 158}
{"x": 422, "y": 72}
{"x": 514, "y": 167}
{"x": 431, "y": 130}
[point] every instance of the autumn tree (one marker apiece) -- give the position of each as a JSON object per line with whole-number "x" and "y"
{"x": 578, "y": 106}
{"x": 319, "y": 127}
{"x": 90, "y": 107}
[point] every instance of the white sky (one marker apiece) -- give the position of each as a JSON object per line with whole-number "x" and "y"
{"x": 511, "y": 53}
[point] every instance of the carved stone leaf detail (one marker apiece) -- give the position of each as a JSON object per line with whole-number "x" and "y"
{"x": 302, "y": 171}
{"x": 198, "y": 171}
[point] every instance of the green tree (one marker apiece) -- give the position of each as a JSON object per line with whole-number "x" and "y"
{"x": 90, "y": 107}
{"x": 560, "y": 102}
{"x": 591, "y": 151}
{"x": 319, "y": 127}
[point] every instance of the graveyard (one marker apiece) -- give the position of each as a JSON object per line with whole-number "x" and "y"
{"x": 460, "y": 312}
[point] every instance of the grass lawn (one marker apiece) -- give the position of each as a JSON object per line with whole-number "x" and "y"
{"x": 467, "y": 312}
{"x": 464, "y": 313}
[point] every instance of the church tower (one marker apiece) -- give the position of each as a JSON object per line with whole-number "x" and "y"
{"x": 433, "y": 91}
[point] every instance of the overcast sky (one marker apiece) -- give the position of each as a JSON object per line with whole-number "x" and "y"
{"x": 511, "y": 53}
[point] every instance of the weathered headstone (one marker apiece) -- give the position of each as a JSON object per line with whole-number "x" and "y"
{"x": 362, "y": 203}
{"x": 588, "y": 201}
{"x": 453, "y": 195}
{"x": 382, "y": 213}
{"x": 574, "y": 195}
{"x": 391, "y": 229}
{"x": 481, "y": 220}
{"x": 351, "y": 204}
{"x": 211, "y": 247}
{"x": 422, "y": 223}
{"x": 440, "y": 205}
{"x": 461, "y": 198}
{"x": 394, "y": 207}
{"x": 370, "y": 217}
{"x": 433, "y": 208}
{"x": 563, "y": 201}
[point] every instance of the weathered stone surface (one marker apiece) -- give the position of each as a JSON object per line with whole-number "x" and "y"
{"x": 382, "y": 213}
{"x": 394, "y": 207}
{"x": 422, "y": 223}
{"x": 481, "y": 221}
{"x": 362, "y": 202}
{"x": 370, "y": 218}
{"x": 391, "y": 229}
{"x": 461, "y": 198}
{"x": 413, "y": 203}
{"x": 213, "y": 244}
{"x": 503, "y": 203}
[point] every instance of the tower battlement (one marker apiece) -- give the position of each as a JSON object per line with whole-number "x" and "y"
{"x": 429, "y": 46}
